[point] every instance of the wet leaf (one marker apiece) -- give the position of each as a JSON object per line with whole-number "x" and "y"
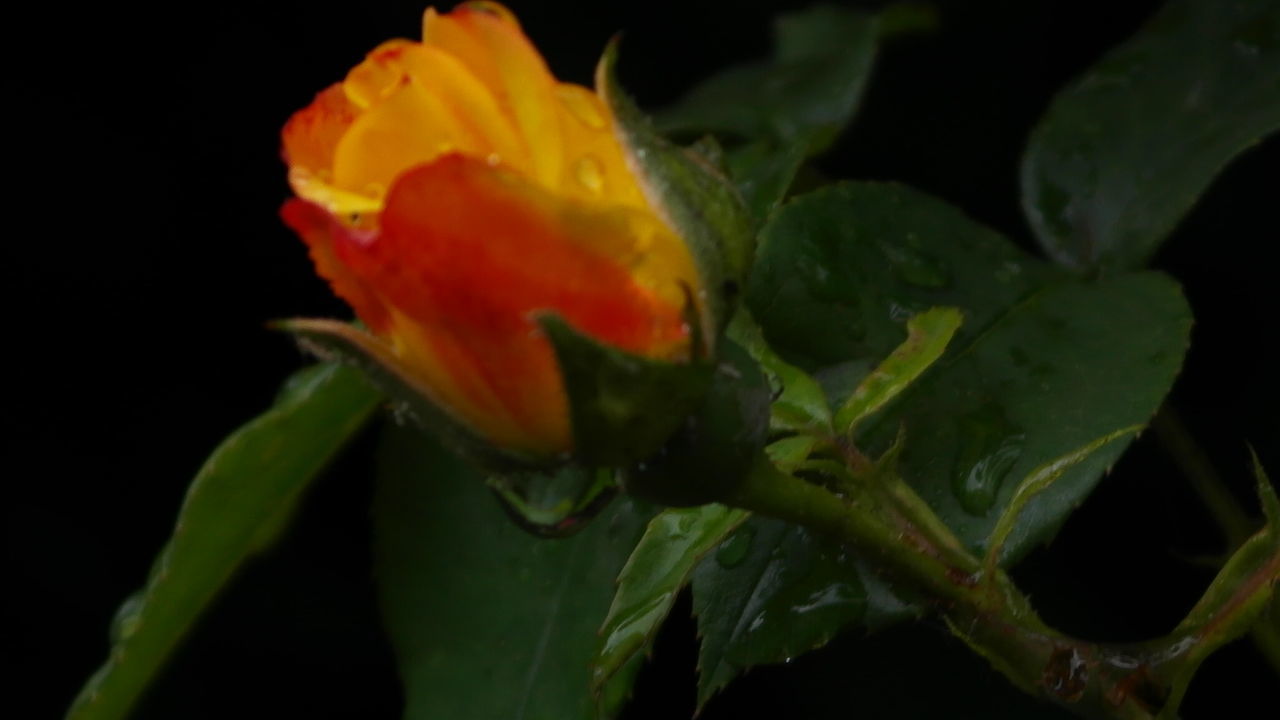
{"x": 1044, "y": 363}
{"x": 800, "y": 402}
{"x": 763, "y": 174}
{"x": 1125, "y": 150}
{"x": 715, "y": 445}
{"x": 623, "y": 407}
{"x": 658, "y": 568}
{"x": 803, "y": 96}
{"x": 488, "y": 621}
{"x": 777, "y": 593}
{"x": 927, "y": 336}
{"x": 841, "y": 269}
{"x": 1237, "y": 598}
{"x": 235, "y": 507}
{"x": 1067, "y": 366}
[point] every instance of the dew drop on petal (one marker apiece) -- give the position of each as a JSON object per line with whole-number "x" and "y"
{"x": 590, "y": 174}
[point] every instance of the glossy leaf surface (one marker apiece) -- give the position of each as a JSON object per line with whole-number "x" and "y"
{"x": 657, "y": 570}
{"x": 234, "y": 508}
{"x": 803, "y": 96}
{"x": 771, "y": 592}
{"x": 1126, "y": 149}
{"x": 486, "y": 620}
{"x": 622, "y": 407}
{"x": 1043, "y": 366}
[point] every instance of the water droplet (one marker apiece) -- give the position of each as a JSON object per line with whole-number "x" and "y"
{"x": 989, "y": 447}
{"x": 1246, "y": 48}
{"x": 914, "y": 267}
{"x": 835, "y": 594}
{"x": 556, "y": 504}
{"x": 493, "y": 159}
{"x": 734, "y": 549}
{"x": 127, "y": 618}
{"x": 1008, "y": 271}
{"x": 590, "y": 174}
{"x": 638, "y": 622}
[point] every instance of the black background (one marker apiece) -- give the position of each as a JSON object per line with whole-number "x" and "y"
{"x": 144, "y": 256}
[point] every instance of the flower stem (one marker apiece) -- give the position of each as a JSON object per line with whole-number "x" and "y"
{"x": 984, "y": 608}
{"x": 1207, "y": 482}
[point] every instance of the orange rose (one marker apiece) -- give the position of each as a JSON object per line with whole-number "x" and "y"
{"x": 451, "y": 189}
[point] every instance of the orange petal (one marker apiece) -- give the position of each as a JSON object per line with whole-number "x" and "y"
{"x": 486, "y": 38}
{"x": 468, "y": 253}
{"x": 319, "y": 230}
{"x": 409, "y": 126}
{"x": 313, "y": 132}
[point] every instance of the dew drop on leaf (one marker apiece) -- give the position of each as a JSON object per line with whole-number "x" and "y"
{"x": 989, "y": 447}
{"x": 735, "y": 549}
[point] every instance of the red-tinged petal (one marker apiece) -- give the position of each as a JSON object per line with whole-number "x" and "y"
{"x": 468, "y": 253}
{"x": 313, "y": 132}
{"x": 323, "y": 233}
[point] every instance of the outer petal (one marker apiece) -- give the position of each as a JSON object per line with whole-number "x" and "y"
{"x": 309, "y": 141}
{"x": 486, "y": 38}
{"x": 313, "y": 132}
{"x": 467, "y": 254}
{"x": 323, "y": 233}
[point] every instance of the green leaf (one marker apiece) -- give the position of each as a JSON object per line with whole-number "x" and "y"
{"x": 800, "y": 403}
{"x": 486, "y": 620}
{"x": 763, "y": 174}
{"x": 695, "y": 198}
{"x": 803, "y": 96}
{"x": 659, "y": 567}
{"x": 555, "y": 503}
{"x": 1237, "y": 598}
{"x": 1044, "y": 364}
{"x": 715, "y": 445}
{"x": 234, "y": 508}
{"x": 1072, "y": 364}
{"x": 772, "y": 592}
{"x": 622, "y": 407}
{"x": 1125, "y": 150}
{"x": 1037, "y": 482}
{"x": 927, "y": 336}
{"x": 841, "y": 269}
{"x": 349, "y": 344}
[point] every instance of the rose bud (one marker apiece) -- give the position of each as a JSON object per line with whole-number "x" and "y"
{"x": 493, "y": 227}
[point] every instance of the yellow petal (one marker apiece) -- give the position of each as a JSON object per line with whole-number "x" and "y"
{"x": 486, "y": 39}
{"x": 408, "y": 127}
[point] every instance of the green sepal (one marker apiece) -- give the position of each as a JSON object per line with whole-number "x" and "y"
{"x": 714, "y": 447}
{"x": 697, "y": 200}
{"x": 554, "y": 503}
{"x": 622, "y": 407}
{"x": 409, "y": 398}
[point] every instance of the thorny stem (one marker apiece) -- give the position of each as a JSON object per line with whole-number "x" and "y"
{"x": 1207, "y": 482}
{"x": 1131, "y": 682}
